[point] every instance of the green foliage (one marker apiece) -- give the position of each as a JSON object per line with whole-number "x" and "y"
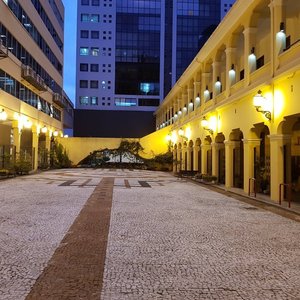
{"x": 59, "y": 157}
{"x": 23, "y": 165}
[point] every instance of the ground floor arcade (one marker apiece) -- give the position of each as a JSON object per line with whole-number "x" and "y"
{"x": 247, "y": 157}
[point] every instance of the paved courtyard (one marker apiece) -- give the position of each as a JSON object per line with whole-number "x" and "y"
{"x": 167, "y": 239}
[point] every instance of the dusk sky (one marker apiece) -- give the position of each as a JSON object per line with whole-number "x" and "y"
{"x": 70, "y": 47}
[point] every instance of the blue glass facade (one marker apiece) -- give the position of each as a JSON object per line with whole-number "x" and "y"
{"x": 196, "y": 20}
{"x": 138, "y": 47}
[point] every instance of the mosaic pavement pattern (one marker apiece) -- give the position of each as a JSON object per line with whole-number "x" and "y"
{"x": 168, "y": 238}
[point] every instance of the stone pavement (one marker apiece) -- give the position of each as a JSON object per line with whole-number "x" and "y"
{"x": 168, "y": 239}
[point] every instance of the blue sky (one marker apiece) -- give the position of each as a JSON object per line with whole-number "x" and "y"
{"x": 70, "y": 47}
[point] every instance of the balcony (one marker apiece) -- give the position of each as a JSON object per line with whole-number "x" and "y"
{"x": 34, "y": 79}
{"x": 290, "y": 57}
{"x": 59, "y": 100}
{"x": 3, "y": 50}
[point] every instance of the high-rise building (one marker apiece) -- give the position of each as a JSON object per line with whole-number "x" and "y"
{"x": 31, "y": 64}
{"x": 129, "y": 55}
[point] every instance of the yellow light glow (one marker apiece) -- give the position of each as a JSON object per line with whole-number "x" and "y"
{"x": 213, "y": 123}
{"x": 188, "y": 133}
{"x": 3, "y": 115}
{"x": 168, "y": 138}
{"x": 55, "y": 133}
{"x": 44, "y": 129}
{"x": 180, "y": 132}
{"x": 174, "y": 137}
{"x": 279, "y": 103}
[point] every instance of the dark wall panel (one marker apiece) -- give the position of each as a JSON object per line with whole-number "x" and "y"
{"x": 126, "y": 124}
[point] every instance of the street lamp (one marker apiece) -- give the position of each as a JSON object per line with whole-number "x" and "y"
{"x": 260, "y": 103}
{"x": 205, "y": 125}
{"x": 3, "y": 115}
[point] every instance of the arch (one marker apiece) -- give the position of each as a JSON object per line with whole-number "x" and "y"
{"x": 238, "y": 158}
{"x": 220, "y": 138}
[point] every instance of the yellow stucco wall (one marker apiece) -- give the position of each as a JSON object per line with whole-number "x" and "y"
{"x": 78, "y": 148}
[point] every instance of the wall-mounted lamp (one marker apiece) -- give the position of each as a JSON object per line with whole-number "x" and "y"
{"x": 181, "y": 134}
{"x": 184, "y": 110}
{"x": 281, "y": 39}
{"x": 44, "y": 129}
{"x": 55, "y": 133}
{"x": 205, "y": 124}
{"x": 197, "y": 99}
{"x": 3, "y": 115}
{"x": 218, "y": 86}
{"x": 27, "y": 124}
{"x": 191, "y": 105}
{"x": 259, "y": 102}
{"x": 206, "y": 94}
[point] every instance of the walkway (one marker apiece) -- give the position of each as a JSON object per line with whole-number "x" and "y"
{"x": 168, "y": 239}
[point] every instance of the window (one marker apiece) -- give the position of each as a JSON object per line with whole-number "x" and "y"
{"x": 85, "y": 2}
{"x": 94, "y": 68}
{"x": 94, "y": 100}
{"x": 148, "y": 102}
{"x": 95, "y": 2}
{"x": 95, "y": 51}
{"x": 94, "y": 18}
{"x": 84, "y": 100}
{"x": 84, "y": 34}
{"x": 84, "y": 51}
{"x": 83, "y": 67}
{"x": 125, "y": 102}
{"x": 94, "y": 34}
{"x": 94, "y": 84}
{"x": 83, "y": 84}
{"x": 84, "y": 18}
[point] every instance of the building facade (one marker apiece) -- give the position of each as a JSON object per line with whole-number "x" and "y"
{"x": 235, "y": 113}
{"x": 31, "y": 65}
{"x": 130, "y": 53}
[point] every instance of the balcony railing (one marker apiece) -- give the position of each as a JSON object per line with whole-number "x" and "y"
{"x": 59, "y": 100}
{"x": 3, "y": 50}
{"x": 34, "y": 79}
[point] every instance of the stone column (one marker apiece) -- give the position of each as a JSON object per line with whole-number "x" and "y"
{"x": 277, "y": 142}
{"x": 195, "y": 153}
{"x": 278, "y": 40}
{"x": 174, "y": 160}
{"x": 35, "y": 147}
{"x": 197, "y": 93}
{"x": 249, "y": 145}
{"x": 230, "y": 60}
{"x": 216, "y": 73}
{"x": 229, "y": 146}
{"x": 17, "y": 135}
{"x": 250, "y": 61}
{"x": 215, "y": 147}
{"x": 189, "y": 157}
{"x": 190, "y": 100}
{"x": 205, "y": 83}
{"x": 204, "y": 149}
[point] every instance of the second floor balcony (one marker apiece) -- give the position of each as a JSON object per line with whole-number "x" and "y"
{"x": 33, "y": 78}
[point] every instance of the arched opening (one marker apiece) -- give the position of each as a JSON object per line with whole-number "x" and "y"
{"x": 295, "y": 161}
{"x": 198, "y": 149}
{"x": 238, "y": 158}
{"x": 220, "y": 138}
{"x": 208, "y": 141}
{"x": 191, "y": 154}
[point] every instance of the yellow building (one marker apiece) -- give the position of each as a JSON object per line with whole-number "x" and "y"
{"x": 235, "y": 112}
{"x": 31, "y": 65}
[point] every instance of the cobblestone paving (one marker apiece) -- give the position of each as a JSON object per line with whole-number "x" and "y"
{"x": 169, "y": 239}
{"x": 34, "y": 217}
{"x": 180, "y": 241}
